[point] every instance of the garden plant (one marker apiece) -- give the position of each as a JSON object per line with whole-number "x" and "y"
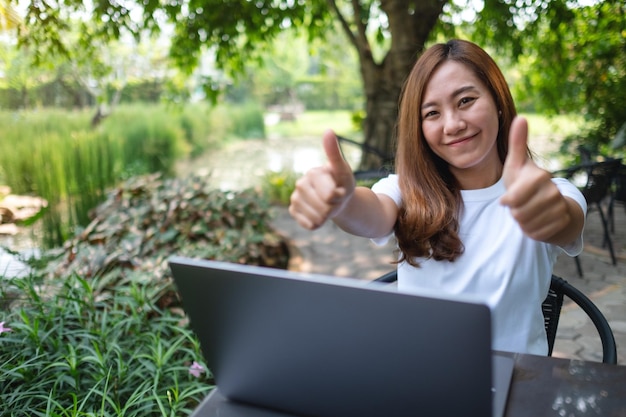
{"x": 98, "y": 329}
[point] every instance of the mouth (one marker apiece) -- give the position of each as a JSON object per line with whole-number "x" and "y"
{"x": 461, "y": 140}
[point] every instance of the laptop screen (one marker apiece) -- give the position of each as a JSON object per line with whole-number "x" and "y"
{"x": 326, "y": 346}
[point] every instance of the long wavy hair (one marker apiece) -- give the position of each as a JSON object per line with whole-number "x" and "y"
{"x": 428, "y": 221}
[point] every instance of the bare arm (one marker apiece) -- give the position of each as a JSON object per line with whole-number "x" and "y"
{"x": 368, "y": 214}
{"x": 329, "y": 192}
{"x": 573, "y": 226}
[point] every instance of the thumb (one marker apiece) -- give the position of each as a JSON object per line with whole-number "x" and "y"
{"x": 517, "y": 155}
{"x": 338, "y": 164}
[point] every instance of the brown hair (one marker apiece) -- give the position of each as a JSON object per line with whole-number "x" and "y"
{"x": 428, "y": 219}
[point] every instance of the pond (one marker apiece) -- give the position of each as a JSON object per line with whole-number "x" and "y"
{"x": 242, "y": 164}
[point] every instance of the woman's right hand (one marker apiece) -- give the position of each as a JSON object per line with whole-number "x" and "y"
{"x": 323, "y": 192}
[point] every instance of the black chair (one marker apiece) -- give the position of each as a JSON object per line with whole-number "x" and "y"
{"x": 386, "y": 161}
{"x": 551, "y": 307}
{"x": 599, "y": 186}
{"x": 618, "y": 195}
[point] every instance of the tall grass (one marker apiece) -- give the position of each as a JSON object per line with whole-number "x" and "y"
{"x": 56, "y": 154}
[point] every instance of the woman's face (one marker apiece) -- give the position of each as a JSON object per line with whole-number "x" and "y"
{"x": 460, "y": 124}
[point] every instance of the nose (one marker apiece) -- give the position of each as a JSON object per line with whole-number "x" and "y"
{"x": 453, "y": 123}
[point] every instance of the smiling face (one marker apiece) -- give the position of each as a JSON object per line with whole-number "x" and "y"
{"x": 460, "y": 124}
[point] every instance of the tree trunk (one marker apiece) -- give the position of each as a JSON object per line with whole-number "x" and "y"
{"x": 410, "y": 23}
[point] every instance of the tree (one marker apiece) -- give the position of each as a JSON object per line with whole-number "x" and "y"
{"x": 580, "y": 67}
{"x": 236, "y": 32}
{"x": 17, "y": 73}
{"x": 388, "y": 35}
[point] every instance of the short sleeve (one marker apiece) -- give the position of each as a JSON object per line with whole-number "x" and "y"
{"x": 568, "y": 189}
{"x": 388, "y": 186}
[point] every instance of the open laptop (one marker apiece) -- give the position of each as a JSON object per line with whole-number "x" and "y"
{"x": 323, "y": 346}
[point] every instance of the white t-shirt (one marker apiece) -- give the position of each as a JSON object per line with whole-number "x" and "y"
{"x": 501, "y": 266}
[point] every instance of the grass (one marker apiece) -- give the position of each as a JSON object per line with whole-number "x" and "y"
{"x": 59, "y": 157}
{"x": 315, "y": 123}
{"x": 71, "y": 352}
{"x": 98, "y": 328}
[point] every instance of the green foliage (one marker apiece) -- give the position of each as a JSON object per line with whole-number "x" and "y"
{"x": 145, "y": 91}
{"x": 151, "y": 138}
{"x": 246, "y": 120}
{"x": 57, "y": 156}
{"x": 198, "y": 123}
{"x": 241, "y": 121}
{"x": 278, "y": 186}
{"x": 148, "y": 218}
{"x": 577, "y": 64}
{"x": 244, "y": 28}
{"x": 99, "y": 330}
{"x": 579, "y": 47}
{"x": 319, "y": 74}
{"x": 323, "y": 93}
{"x": 73, "y": 352}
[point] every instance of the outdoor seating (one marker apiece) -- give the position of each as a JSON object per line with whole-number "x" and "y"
{"x": 600, "y": 178}
{"x": 551, "y": 307}
{"x": 599, "y": 192}
{"x": 618, "y": 195}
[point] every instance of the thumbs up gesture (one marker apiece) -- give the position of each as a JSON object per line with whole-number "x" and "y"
{"x": 535, "y": 201}
{"x": 323, "y": 191}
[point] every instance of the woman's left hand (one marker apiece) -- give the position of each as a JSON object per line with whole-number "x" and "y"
{"x": 535, "y": 201}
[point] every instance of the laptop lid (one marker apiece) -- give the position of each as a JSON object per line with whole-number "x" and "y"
{"x": 326, "y": 346}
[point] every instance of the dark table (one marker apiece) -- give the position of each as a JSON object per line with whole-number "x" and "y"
{"x": 541, "y": 387}
{"x": 544, "y": 386}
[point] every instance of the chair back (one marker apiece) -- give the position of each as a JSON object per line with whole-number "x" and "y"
{"x": 384, "y": 162}
{"x": 620, "y": 185}
{"x": 609, "y": 349}
{"x": 600, "y": 177}
{"x": 551, "y": 308}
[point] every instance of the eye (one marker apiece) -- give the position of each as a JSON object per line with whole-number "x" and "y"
{"x": 429, "y": 115}
{"x": 466, "y": 100}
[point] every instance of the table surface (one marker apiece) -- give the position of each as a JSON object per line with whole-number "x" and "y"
{"x": 541, "y": 386}
{"x": 563, "y": 387}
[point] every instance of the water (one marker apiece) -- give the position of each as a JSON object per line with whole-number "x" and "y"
{"x": 243, "y": 164}
{"x": 23, "y": 242}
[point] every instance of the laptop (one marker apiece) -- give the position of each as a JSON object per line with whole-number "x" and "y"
{"x": 279, "y": 342}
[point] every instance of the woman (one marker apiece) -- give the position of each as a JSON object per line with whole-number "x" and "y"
{"x": 471, "y": 212}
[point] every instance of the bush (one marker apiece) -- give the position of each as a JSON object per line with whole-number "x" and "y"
{"x": 72, "y": 352}
{"x": 278, "y": 186}
{"x": 147, "y": 219}
{"x": 242, "y": 121}
{"x": 99, "y": 330}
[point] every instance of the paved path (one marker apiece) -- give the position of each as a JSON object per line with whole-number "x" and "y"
{"x": 331, "y": 251}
